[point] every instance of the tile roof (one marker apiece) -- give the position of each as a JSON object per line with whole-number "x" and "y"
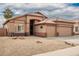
{"x": 53, "y": 21}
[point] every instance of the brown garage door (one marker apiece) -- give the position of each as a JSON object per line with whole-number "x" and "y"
{"x": 64, "y": 31}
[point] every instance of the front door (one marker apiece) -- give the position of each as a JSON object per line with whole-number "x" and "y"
{"x": 31, "y": 27}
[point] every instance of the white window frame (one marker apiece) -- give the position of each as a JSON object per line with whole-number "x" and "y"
{"x": 77, "y": 29}
{"x": 22, "y": 29}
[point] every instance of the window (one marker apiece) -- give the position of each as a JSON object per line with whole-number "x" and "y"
{"x": 76, "y": 29}
{"x": 41, "y": 27}
{"x": 20, "y": 28}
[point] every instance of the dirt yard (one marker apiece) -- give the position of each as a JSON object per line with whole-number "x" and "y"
{"x": 22, "y": 46}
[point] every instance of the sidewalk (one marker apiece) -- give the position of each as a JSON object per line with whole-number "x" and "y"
{"x": 73, "y": 51}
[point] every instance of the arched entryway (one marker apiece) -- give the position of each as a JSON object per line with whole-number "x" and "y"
{"x": 32, "y": 27}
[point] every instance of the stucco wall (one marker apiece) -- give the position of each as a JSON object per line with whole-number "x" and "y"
{"x": 10, "y": 27}
{"x": 13, "y": 25}
{"x": 40, "y": 31}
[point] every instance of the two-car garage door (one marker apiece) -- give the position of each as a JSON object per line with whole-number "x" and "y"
{"x": 64, "y": 31}
{"x": 60, "y": 30}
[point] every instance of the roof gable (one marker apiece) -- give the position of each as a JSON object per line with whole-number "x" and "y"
{"x": 37, "y": 14}
{"x": 31, "y": 14}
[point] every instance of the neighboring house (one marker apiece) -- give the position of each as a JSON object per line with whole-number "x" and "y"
{"x": 76, "y": 26}
{"x": 38, "y": 24}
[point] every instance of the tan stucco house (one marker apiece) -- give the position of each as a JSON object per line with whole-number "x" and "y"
{"x": 38, "y": 24}
{"x": 76, "y": 26}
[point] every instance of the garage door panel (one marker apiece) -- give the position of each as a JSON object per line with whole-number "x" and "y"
{"x": 51, "y": 31}
{"x": 64, "y": 31}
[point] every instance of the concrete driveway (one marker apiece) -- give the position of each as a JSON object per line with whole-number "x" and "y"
{"x": 72, "y": 51}
{"x": 70, "y": 39}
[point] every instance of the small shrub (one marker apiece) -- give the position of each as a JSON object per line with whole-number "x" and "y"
{"x": 14, "y": 38}
{"x": 38, "y": 42}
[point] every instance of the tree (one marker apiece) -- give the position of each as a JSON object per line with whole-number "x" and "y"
{"x": 7, "y": 13}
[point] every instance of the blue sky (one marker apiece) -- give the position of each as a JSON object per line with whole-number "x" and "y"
{"x": 52, "y": 10}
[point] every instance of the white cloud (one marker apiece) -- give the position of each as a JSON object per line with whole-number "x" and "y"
{"x": 19, "y": 12}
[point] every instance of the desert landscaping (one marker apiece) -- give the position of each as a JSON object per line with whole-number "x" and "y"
{"x": 23, "y": 46}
